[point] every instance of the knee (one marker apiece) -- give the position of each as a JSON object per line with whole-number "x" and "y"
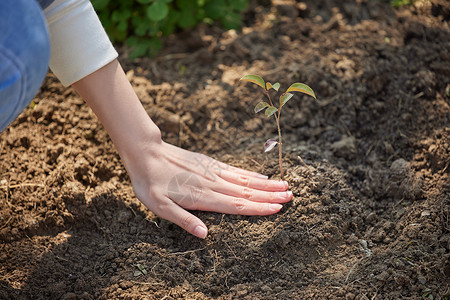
{"x": 24, "y": 56}
{"x": 30, "y": 42}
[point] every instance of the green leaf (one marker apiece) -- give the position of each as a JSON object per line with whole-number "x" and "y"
{"x": 32, "y": 104}
{"x": 142, "y": 269}
{"x": 239, "y": 5}
{"x": 200, "y": 15}
{"x": 187, "y": 19}
{"x": 157, "y": 11}
{"x": 301, "y": 87}
{"x": 122, "y": 26}
{"x": 260, "y": 106}
{"x": 145, "y": 1}
{"x": 139, "y": 50}
{"x": 254, "y": 79}
{"x": 141, "y": 29}
{"x": 216, "y": 9}
{"x": 170, "y": 23}
{"x": 285, "y": 98}
{"x": 132, "y": 41}
{"x": 142, "y": 46}
{"x": 231, "y": 20}
{"x": 118, "y": 16}
{"x": 118, "y": 35}
{"x": 126, "y": 15}
{"x": 155, "y": 45}
{"x": 185, "y": 4}
{"x": 270, "y": 111}
{"x": 100, "y": 4}
{"x": 115, "y": 16}
{"x": 275, "y": 86}
{"x": 153, "y": 28}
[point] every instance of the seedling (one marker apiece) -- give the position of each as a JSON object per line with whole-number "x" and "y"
{"x": 140, "y": 270}
{"x": 270, "y": 109}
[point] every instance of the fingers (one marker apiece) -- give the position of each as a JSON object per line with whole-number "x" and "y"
{"x": 253, "y": 182}
{"x": 191, "y": 191}
{"x": 245, "y": 172}
{"x": 254, "y": 195}
{"x": 174, "y": 213}
{"x": 234, "y": 205}
{"x": 225, "y": 167}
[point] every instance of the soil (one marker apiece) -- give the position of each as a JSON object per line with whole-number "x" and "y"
{"x": 368, "y": 165}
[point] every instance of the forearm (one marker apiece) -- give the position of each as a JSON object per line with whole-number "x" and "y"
{"x": 112, "y": 98}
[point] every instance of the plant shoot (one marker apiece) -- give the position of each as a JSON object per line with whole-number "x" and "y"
{"x": 271, "y": 109}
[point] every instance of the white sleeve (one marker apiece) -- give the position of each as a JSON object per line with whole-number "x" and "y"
{"x": 79, "y": 44}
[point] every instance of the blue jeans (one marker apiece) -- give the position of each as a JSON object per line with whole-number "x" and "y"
{"x": 24, "y": 56}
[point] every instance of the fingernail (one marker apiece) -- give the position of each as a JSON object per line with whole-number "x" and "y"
{"x": 200, "y": 232}
{"x": 275, "y": 207}
{"x": 286, "y": 184}
{"x": 282, "y": 195}
{"x": 263, "y": 176}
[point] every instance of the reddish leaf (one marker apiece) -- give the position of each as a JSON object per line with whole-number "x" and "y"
{"x": 270, "y": 144}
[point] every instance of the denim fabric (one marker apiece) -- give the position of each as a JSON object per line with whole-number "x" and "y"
{"x": 45, "y": 3}
{"x": 24, "y": 56}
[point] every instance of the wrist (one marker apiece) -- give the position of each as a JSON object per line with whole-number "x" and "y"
{"x": 143, "y": 141}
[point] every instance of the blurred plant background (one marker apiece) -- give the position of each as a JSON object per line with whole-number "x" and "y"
{"x": 140, "y": 24}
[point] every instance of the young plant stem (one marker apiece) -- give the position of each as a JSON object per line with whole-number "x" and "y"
{"x": 268, "y": 96}
{"x": 280, "y": 149}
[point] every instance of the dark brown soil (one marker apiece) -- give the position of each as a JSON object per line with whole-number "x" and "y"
{"x": 371, "y": 208}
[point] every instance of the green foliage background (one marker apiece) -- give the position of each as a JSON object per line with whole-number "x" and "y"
{"x": 141, "y": 23}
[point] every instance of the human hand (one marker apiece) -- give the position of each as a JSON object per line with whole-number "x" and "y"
{"x": 170, "y": 180}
